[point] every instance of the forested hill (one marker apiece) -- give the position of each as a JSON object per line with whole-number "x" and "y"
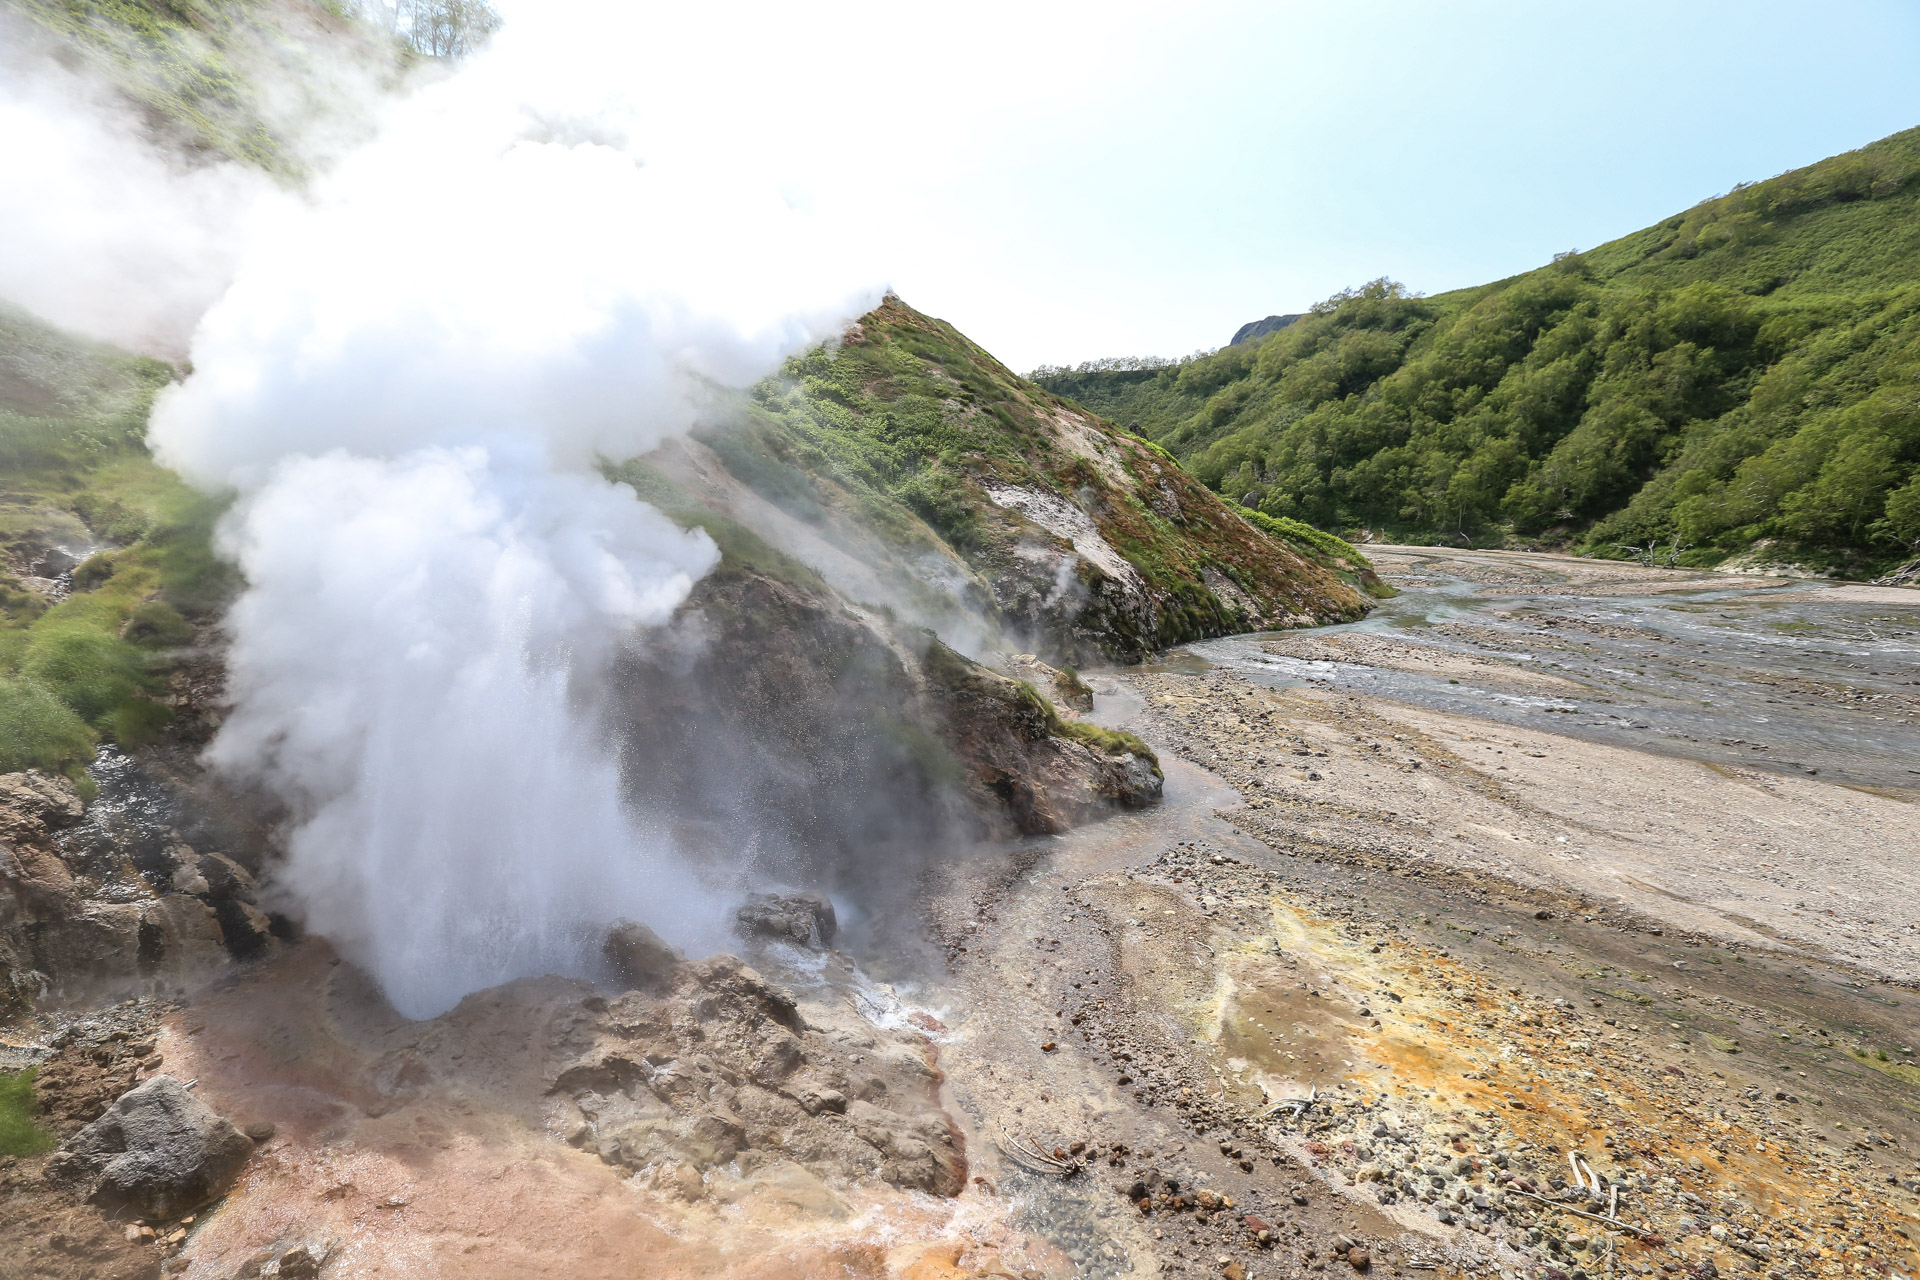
{"x": 1746, "y": 370}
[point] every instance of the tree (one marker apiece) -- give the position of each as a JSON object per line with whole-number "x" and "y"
{"x": 1903, "y": 514}
{"x": 443, "y": 29}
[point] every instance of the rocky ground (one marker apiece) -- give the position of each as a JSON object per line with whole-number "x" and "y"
{"x": 1376, "y": 989}
{"x": 1560, "y": 1008}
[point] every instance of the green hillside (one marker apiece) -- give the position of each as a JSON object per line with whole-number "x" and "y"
{"x": 106, "y": 560}
{"x": 965, "y": 496}
{"x": 1747, "y": 370}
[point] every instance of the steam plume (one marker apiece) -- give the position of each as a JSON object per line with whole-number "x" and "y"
{"x": 409, "y": 383}
{"x": 105, "y": 234}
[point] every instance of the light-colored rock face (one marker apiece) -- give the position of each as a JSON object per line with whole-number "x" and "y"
{"x": 1064, "y": 520}
{"x": 1063, "y": 688}
{"x": 34, "y": 803}
{"x": 158, "y": 1152}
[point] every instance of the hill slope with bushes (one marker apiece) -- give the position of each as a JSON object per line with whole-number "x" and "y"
{"x": 1745, "y": 372}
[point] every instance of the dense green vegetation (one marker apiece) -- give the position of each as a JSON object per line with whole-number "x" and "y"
{"x": 19, "y": 1135}
{"x": 1747, "y": 370}
{"x": 78, "y": 484}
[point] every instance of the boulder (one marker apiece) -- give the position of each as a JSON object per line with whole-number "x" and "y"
{"x": 158, "y": 1152}
{"x": 246, "y": 929}
{"x": 224, "y": 877}
{"x": 803, "y": 919}
{"x": 179, "y": 937}
{"x": 638, "y": 957}
{"x": 95, "y": 946}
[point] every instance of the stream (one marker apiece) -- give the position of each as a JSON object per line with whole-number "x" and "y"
{"x": 1804, "y": 676}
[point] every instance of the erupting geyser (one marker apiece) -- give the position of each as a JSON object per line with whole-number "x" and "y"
{"x": 409, "y": 383}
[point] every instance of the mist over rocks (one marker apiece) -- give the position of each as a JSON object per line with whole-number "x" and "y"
{"x": 803, "y": 920}
{"x": 636, "y": 957}
{"x": 437, "y": 576}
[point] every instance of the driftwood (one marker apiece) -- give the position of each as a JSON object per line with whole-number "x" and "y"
{"x": 1033, "y": 1158}
{"x": 1627, "y": 1227}
{"x": 1299, "y": 1106}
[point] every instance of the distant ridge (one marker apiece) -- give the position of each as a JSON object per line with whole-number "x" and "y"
{"x": 1261, "y": 328}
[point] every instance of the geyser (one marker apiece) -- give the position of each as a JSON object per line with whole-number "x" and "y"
{"x": 409, "y": 384}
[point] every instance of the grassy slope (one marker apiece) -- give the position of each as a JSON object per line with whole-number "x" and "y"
{"x": 908, "y": 423}
{"x": 74, "y": 471}
{"x": 1745, "y": 370}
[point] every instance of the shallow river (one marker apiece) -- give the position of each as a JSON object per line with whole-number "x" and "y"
{"x": 1794, "y": 677}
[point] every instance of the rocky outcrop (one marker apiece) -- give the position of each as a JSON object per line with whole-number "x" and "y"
{"x": 84, "y": 913}
{"x": 781, "y": 722}
{"x": 1253, "y": 329}
{"x": 729, "y": 1072}
{"x": 158, "y": 1152}
{"x": 1040, "y": 774}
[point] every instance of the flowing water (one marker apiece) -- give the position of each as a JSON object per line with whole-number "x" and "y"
{"x": 1802, "y": 676}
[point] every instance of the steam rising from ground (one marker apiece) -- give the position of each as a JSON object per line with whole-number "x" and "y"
{"x": 103, "y": 233}
{"x": 409, "y": 382}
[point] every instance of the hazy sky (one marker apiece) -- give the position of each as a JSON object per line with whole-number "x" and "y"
{"x": 1144, "y": 179}
{"x": 1068, "y": 179}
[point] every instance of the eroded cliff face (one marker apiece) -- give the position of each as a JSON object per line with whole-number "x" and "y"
{"x": 779, "y": 718}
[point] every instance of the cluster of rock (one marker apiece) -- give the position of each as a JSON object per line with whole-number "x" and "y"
{"x": 706, "y": 1069}
{"x": 80, "y": 919}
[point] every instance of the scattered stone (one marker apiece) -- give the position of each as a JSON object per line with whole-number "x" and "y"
{"x": 299, "y": 1263}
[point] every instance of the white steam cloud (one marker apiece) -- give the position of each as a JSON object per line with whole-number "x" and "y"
{"x": 102, "y": 233}
{"x": 409, "y": 382}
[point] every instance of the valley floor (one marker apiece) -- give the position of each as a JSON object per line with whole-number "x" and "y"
{"x": 1500, "y": 914}
{"x": 1558, "y": 921}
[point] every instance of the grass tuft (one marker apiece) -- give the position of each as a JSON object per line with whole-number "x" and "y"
{"x": 19, "y": 1135}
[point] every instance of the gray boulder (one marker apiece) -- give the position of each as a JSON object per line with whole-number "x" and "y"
{"x": 803, "y": 919}
{"x": 158, "y": 1152}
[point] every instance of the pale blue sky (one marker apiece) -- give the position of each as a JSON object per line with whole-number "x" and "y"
{"x": 1075, "y": 187}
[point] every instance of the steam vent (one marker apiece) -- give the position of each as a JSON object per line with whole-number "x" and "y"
{"x": 556, "y": 721}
